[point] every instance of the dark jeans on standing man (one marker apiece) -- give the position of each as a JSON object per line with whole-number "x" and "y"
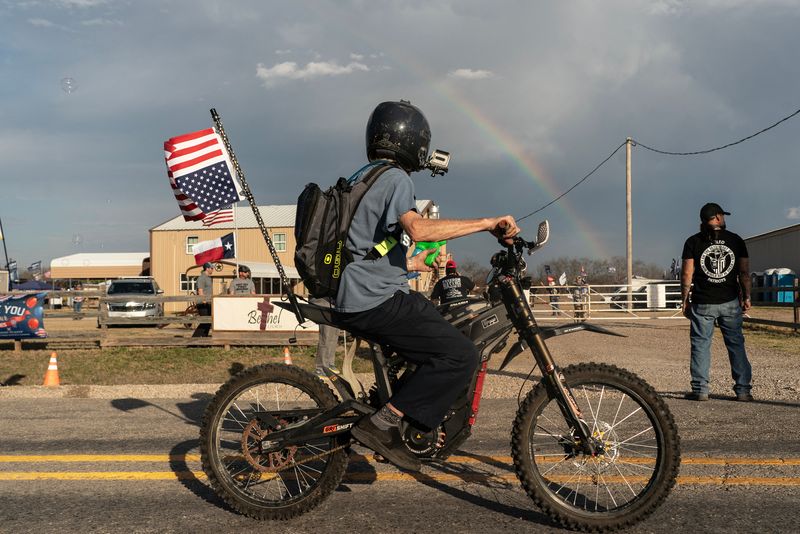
{"x": 728, "y": 316}
{"x": 445, "y": 358}
{"x": 202, "y": 330}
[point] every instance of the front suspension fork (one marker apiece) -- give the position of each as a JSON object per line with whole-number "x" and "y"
{"x": 522, "y": 317}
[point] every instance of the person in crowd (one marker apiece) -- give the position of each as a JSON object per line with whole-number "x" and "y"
{"x": 243, "y": 285}
{"x": 551, "y": 283}
{"x": 205, "y": 287}
{"x": 453, "y": 286}
{"x": 715, "y": 288}
{"x": 77, "y": 302}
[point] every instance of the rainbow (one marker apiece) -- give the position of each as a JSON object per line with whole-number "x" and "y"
{"x": 591, "y": 238}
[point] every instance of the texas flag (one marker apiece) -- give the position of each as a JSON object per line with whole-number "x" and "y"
{"x": 215, "y": 249}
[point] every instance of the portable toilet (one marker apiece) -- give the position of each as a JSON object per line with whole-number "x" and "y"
{"x": 785, "y": 278}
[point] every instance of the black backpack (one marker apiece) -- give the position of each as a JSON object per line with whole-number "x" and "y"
{"x": 320, "y": 229}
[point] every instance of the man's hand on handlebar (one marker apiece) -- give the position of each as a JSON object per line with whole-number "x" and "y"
{"x": 504, "y": 229}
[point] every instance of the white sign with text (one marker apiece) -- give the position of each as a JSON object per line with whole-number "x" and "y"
{"x": 253, "y": 314}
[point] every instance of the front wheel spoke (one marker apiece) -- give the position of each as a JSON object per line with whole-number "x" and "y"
{"x": 608, "y": 490}
{"x": 557, "y": 464}
{"x": 637, "y": 410}
{"x": 630, "y": 446}
{"x": 567, "y": 481}
{"x": 637, "y": 465}
{"x": 616, "y": 414}
{"x": 624, "y": 479}
{"x": 626, "y": 441}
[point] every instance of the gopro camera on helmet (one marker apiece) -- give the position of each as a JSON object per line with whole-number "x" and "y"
{"x": 438, "y": 162}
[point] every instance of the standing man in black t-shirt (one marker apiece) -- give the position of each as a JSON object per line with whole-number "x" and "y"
{"x": 716, "y": 268}
{"x": 453, "y": 286}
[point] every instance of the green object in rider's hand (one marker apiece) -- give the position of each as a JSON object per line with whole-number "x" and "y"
{"x": 432, "y": 246}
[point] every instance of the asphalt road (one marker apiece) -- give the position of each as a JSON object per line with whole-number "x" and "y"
{"x": 131, "y": 465}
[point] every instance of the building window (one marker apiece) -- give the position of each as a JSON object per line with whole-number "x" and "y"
{"x": 279, "y": 240}
{"x": 191, "y": 241}
{"x": 188, "y": 283}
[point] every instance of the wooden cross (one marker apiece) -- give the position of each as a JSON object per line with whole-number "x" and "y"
{"x": 265, "y": 308}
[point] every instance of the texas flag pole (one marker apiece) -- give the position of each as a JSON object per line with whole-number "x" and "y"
{"x": 249, "y": 195}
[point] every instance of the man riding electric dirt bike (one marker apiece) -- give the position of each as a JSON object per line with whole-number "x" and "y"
{"x": 593, "y": 445}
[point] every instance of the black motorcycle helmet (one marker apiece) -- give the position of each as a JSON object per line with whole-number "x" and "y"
{"x": 400, "y": 132}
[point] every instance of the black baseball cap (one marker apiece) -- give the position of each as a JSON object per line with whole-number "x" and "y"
{"x": 244, "y": 269}
{"x": 710, "y": 210}
{"x": 208, "y": 265}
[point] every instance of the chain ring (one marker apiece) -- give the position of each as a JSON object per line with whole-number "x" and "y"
{"x": 275, "y": 461}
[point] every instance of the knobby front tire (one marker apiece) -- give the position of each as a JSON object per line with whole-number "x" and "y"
{"x": 640, "y": 454}
{"x": 266, "y": 484}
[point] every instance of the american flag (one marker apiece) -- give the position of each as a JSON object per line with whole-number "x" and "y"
{"x": 218, "y": 216}
{"x": 200, "y": 174}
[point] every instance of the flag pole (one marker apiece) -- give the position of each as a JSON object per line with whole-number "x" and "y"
{"x": 249, "y": 195}
{"x": 5, "y": 251}
{"x": 235, "y": 239}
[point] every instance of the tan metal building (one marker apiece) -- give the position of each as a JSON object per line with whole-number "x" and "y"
{"x": 775, "y": 249}
{"x": 173, "y": 263}
{"x": 100, "y": 266}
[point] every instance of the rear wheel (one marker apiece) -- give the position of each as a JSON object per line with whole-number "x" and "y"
{"x": 264, "y": 483}
{"x": 637, "y": 447}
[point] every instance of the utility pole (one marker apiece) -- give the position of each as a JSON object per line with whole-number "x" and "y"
{"x": 629, "y": 222}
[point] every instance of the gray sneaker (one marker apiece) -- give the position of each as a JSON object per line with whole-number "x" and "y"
{"x": 387, "y": 443}
{"x": 696, "y": 396}
{"x": 744, "y": 397}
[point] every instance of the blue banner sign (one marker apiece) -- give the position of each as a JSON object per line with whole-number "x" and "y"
{"x": 22, "y": 316}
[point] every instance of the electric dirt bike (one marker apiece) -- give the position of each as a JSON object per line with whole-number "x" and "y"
{"x": 593, "y": 445}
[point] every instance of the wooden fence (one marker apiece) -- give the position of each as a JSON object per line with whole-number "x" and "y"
{"x": 111, "y": 330}
{"x": 95, "y": 307}
{"x": 794, "y": 304}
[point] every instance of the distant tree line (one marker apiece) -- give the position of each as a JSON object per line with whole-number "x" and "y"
{"x": 600, "y": 272}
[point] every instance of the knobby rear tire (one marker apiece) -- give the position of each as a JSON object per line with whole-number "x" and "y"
{"x": 227, "y": 486}
{"x": 573, "y": 500}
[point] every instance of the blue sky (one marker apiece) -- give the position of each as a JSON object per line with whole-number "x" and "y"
{"x": 527, "y": 96}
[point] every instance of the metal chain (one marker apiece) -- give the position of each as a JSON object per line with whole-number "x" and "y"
{"x": 249, "y": 195}
{"x": 311, "y": 458}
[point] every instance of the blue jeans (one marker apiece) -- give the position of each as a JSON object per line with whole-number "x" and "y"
{"x": 729, "y": 318}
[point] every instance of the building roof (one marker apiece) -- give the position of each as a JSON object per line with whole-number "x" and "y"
{"x": 273, "y": 217}
{"x": 784, "y": 230}
{"x": 277, "y": 216}
{"x": 101, "y": 259}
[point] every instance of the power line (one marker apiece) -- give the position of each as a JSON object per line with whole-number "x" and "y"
{"x": 579, "y": 182}
{"x": 658, "y": 151}
{"x": 742, "y": 140}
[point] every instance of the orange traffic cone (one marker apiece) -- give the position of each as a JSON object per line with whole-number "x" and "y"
{"x": 51, "y": 376}
{"x": 287, "y": 358}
